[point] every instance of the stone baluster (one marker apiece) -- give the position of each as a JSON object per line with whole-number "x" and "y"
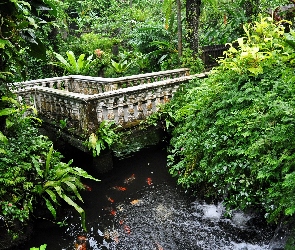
{"x": 111, "y": 114}
{"x": 93, "y": 89}
{"x": 142, "y": 81}
{"x": 166, "y": 96}
{"x": 131, "y": 116}
{"x": 51, "y": 84}
{"x": 140, "y": 115}
{"x": 99, "y": 111}
{"x": 58, "y": 109}
{"x": 68, "y": 84}
{"x": 158, "y": 98}
{"x": 174, "y": 89}
{"x": 149, "y": 104}
{"x": 54, "y": 107}
{"x": 98, "y": 86}
{"x": 77, "y": 86}
{"x": 121, "y": 113}
{"x": 38, "y": 101}
{"x": 47, "y": 106}
{"x": 58, "y": 84}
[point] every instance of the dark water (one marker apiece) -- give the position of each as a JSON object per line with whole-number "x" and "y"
{"x": 152, "y": 213}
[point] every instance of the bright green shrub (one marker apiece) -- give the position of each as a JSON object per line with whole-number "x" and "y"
{"x": 234, "y": 132}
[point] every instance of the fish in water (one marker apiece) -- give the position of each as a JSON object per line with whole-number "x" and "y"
{"x": 81, "y": 243}
{"x": 159, "y": 247}
{"x": 110, "y": 199}
{"x": 119, "y": 188}
{"x": 135, "y": 202}
{"x": 127, "y": 229}
{"x": 129, "y": 179}
{"x": 87, "y": 188}
{"x": 149, "y": 181}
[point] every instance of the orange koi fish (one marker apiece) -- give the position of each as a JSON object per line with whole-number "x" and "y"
{"x": 119, "y": 188}
{"x": 80, "y": 243}
{"x": 159, "y": 246}
{"x": 121, "y": 222}
{"x": 110, "y": 199}
{"x": 113, "y": 212}
{"x": 127, "y": 229}
{"x": 134, "y": 202}
{"x": 116, "y": 239}
{"x": 149, "y": 181}
{"x": 130, "y": 179}
{"x": 87, "y": 188}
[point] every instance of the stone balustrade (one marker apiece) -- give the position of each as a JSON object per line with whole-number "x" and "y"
{"x": 84, "y": 112}
{"x": 93, "y": 85}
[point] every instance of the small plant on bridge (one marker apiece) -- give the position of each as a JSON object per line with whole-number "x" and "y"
{"x": 104, "y": 138}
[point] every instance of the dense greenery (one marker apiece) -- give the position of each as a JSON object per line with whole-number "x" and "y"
{"x": 32, "y": 175}
{"x": 233, "y": 134}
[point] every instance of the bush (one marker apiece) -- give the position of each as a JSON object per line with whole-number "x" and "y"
{"x": 234, "y": 132}
{"x": 32, "y": 175}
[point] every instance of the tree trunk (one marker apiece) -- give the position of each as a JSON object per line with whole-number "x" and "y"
{"x": 193, "y": 9}
{"x": 179, "y": 28}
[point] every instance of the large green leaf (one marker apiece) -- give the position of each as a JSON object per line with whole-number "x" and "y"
{"x": 52, "y": 195}
{"x": 50, "y": 207}
{"x": 73, "y": 187}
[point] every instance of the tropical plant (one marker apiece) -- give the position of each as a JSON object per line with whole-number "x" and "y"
{"x": 120, "y": 67}
{"x": 73, "y": 66}
{"x": 104, "y": 138}
{"x": 233, "y": 132}
{"x": 58, "y": 181}
{"x": 31, "y": 170}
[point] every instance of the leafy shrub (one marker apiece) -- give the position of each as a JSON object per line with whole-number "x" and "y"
{"x": 233, "y": 135}
{"x": 32, "y": 175}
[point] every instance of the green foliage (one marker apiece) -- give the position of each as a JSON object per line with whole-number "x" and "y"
{"x": 42, "y": 247}
{"x": 60, "y": 180}
{"x": 104, "y": 138}
{"x": 73, "y": 66}
{"x": 120, "y": 67}
{"x": 30, "y": 170}
{"x": 233, "y": 131}
{"x": 19, "y": 22}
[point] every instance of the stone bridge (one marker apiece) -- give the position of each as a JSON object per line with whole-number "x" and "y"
{"x": 83, "y": 102}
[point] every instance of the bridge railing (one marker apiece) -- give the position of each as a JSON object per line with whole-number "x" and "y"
{"x": 84, "y": 112}
{"x": 93, "y": 85}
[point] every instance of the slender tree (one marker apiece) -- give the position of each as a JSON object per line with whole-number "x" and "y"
{"x": 179, "y": 28}
{"x": 193, "y": 10}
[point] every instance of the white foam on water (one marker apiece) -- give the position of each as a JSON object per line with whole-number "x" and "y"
{"x": 240, "y": 219}
{"x": 212, "y": 212}
{"x": 246, "y": 246}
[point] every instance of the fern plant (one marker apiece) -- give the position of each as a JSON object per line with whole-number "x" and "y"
{"x": 81, "y": 66}
{"x": 104, "y": 138}
{"x": 59, "y": 181}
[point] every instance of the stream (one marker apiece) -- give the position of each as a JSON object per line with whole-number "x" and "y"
{"x": 137, "y": 205}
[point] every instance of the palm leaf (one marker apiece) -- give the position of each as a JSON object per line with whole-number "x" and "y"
{"x": 63, "y": 62}
{"x": 80, "y": 63}
{"x": 72, "y": 60}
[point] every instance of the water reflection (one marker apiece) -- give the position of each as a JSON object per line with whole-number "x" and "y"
{"x": 137, "y": 206}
